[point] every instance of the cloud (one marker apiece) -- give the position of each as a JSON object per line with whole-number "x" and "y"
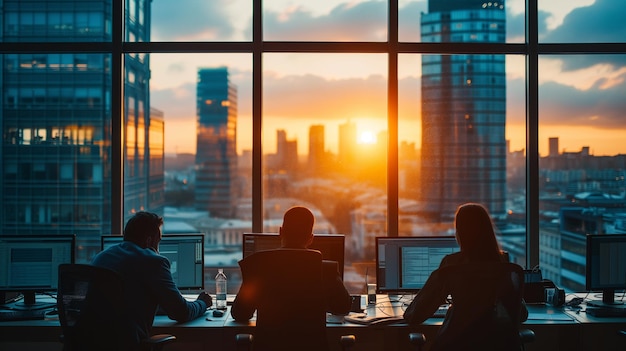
{"x": 595, "y": 107}
{"x": 191, "y": 20}
{"x": 345, "y": 22}
{"x": 603, "y": 21}
{"x": 516, "y": 25}
{"x": 409, "y": 17}
{"x": 325, "y": 99}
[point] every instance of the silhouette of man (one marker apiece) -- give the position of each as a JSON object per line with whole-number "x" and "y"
{"x": 291, "y": 289}
{"x": 147, "y": 277}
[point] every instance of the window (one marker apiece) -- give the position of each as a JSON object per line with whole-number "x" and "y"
{"x": 380, "y": 115}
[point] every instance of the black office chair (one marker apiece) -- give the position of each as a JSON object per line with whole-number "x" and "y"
{"x": 489, "y": 319}
{"x": 91, "y": 311}
{"x": 291, "y": 305}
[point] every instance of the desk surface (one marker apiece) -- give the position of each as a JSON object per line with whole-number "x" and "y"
{"x": 560, "y": 328}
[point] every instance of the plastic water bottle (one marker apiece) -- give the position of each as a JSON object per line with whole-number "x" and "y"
{"x": 220, "y": 290}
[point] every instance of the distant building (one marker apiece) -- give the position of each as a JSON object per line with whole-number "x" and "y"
{"x": 286, "y": 152}
{"x": 463, "y": 110}
{"x": 56, "y": 120}
{"x": 216, "y": 155}
{"x": 553, "y": 146}
{"x": 317, "y": 154}
{"x": 347, "y": 144}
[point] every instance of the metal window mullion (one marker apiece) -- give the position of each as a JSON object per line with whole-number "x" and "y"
{"x": 117, "y": 118}
{"x": 257, "y": 110}
{"x": 532, "y": 135}
{"x": 392, "y": 121}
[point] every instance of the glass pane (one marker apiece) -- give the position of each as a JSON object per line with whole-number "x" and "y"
{"x": 324, "y": 146}
{"x": 189, "y": 144}
{"x": 56, "y": 21}
{"x": 582, "y": 164}
{"x": 56, "y": 152}
{"x": 582, "y": 21}
{"x": 329, "y": 20}
{"x": 192, "y": 20}
{"x": 461, "y": 21}
{"x": 461, "y": 134}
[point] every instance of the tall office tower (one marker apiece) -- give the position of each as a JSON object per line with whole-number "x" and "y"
{"x": 317, "y": 154}
{"x": 216, "y": 154}
{"x": 553, "y": 147}
{"x": 347, "y": 145}
{"x": 463, "y": 109}
{"x": 286, "y": 152}
{"x": 56, "y": 122}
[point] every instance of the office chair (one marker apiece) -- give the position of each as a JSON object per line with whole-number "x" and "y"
{"x": 291, "y": 306}
{"x": 90, "y": 302}
{"x": 486, "y": 309}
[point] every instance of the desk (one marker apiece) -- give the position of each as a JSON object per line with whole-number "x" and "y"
{"x": 555, "y": 329}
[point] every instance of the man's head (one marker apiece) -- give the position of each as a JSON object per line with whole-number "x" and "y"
{"x": 144, "y": 229}
{"x": 297, "y": 228}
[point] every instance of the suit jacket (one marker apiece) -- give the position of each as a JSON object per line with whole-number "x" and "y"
{"x": 148, "y": 283}
{"x": 474, "y": 287}
{"x": 291, "y": 290}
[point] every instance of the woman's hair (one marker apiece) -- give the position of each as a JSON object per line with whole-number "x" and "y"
{"x": 141, "y": 226}
{"x": 475, "y": 233}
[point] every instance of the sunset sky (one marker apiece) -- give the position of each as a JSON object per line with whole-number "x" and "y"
{"x": 582, "y": 98}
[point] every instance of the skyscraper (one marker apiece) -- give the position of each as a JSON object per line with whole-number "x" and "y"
{"x": 463, "y": 109}
{"x": 56, "y": 123}
{"x": 216, "y": 154}
{"x": 317, "y": 154}
{"x": 347, "y": 142}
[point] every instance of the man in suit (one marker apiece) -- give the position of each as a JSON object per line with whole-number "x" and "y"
{"x": 291, "y": 289}
{"x": 147, "y": 277}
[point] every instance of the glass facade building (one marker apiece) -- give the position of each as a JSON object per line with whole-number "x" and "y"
{"x": 216, "y": 156}
{"x": 463, "y": 110}
{"x": 56, "y": 124}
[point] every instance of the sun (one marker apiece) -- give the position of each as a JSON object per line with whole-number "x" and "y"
{"x": 367, "y": 137}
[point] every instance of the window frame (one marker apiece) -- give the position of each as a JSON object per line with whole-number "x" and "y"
{"x": 531, "y": 49}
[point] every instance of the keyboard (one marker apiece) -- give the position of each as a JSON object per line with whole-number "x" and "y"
{"x": 606, "y": 311}
{"x": 362, "y": 318}
{"x": 22, "y": 315}
{"x": 441, "y": 311}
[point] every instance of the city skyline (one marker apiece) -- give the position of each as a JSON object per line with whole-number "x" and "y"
{"x": 581, "y": 96}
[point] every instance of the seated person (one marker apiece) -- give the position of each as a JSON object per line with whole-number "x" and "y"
{"x": 291, "y": 289}
{"x": 147, "y": 277}
{"x": 477, "y": 240}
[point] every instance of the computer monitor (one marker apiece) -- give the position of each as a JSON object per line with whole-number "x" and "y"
{"x": 606, "y": 267}
{"x": 331, "y": 246}
{"x": 403, "y": 264}
{"x": 185, "y": 253}
{"x": 29, "y": 264}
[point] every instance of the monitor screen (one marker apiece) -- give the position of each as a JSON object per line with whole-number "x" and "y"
{"x": 606, "y": 266}
{"x": 185, "y": 253}
{"x": 29, "y": 263}
{"x": 403, "y": 264}
{"x": 330, "y": 245}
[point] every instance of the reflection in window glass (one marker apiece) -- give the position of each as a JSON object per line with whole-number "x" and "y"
{"x": 329, "y": 20}
{"x": 582, "y": 167}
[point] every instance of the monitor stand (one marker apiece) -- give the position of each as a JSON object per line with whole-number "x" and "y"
{"x": 608, "y": 300}
{"x": 30, "y": 303}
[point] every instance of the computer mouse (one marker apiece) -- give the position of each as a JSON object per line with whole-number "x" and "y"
{"x": 218, "y": 313}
